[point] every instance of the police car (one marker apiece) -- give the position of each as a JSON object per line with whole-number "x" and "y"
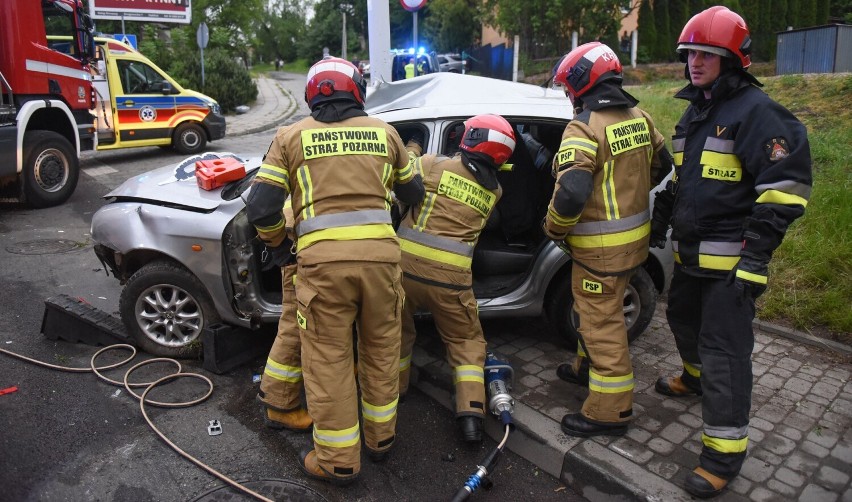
{"x": 191, "y": 259}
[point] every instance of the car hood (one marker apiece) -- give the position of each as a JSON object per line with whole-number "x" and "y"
{"x": 451, "y": 89}
{"x": 176, "y": 184}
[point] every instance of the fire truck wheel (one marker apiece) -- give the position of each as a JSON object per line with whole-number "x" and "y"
{"x": 51, "y": 169}
{"x": 189, "y": 139}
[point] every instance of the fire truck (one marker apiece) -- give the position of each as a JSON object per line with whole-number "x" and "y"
{"x": 47, "y": 99}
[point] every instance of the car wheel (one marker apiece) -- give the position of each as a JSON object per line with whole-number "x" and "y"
{"x": 640, "y": 301}
{"x": 165, "y": 308}
{"x": 51, "y": 169}
{"x": 189, "y": 139}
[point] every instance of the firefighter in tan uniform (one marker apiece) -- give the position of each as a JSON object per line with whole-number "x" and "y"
{"x": 610, "y": 157}
{"x": 437, "y": 239}
{"x": 282, "y": 383}
{"x": 340, "y": 167}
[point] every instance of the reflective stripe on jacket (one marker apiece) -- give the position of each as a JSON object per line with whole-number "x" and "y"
{"x": 618, "y": 147}
{"x": 340, "y": 176}
{"x": 439, "y": 235}
{"x": 742, "y": 173}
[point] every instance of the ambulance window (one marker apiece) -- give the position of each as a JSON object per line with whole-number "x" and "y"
{"x": 139, "y": 78}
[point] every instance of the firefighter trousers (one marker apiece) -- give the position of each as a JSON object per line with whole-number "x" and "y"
{"x": 457, "y": 321}
{"x": 599, "y": 306}
{"x": 330, "y": 298}
{"x": 281, "y": 383}
{"x": 712, "y": 325}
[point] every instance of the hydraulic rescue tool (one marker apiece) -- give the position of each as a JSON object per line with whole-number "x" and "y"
{"x": 498, "y": 381}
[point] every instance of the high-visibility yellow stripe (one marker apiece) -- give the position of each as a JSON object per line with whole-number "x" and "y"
{"x": 610, "y": 384}
{"x": 725, "y": 445}
{"x": 435, "y": 254}
{"x": 608, "y": 188}
{"x": 343, "y": 438}
{"x": 678, "y": 158}
{"x": 610, "y": 240}
{"x": 304, "y": 177}
{"x": 752, "y": 277}
{"x": 560, "y": 220}
{"x": 274, "y": 173}
{"x": 271, "y": 228}
{"x": 677, "y": 258}
{"x": 351, "y": 233}
{"x": 425, "y": 210}
{"x": 723, "y": 160}
{"x": 778, "y": 197}
{"x": 714, "y": 262}
{"x": 404, "y": 363}
{"x": 283, "y": 372}
{"x": 468, "y": 373}
{"x": 406, "y": 173}
{"x": 580, "y": 351}
{"x": 381, "y": 414}
{"x": 692, "y": 370}
{"x": 583, "y": 144}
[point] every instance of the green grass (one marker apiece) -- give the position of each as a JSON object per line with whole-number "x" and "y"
{"x": 810, "y": 286}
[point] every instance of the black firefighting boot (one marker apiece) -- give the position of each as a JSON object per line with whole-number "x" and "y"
{"x": 576, "y": 372}
{"x": 575, "y": 424}
{"x": 470, "y": 428}
{"x": 703, "y": 484}
{"x": 675, "y": 387}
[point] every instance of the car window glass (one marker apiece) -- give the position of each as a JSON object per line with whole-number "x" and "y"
{"x": 139, "y": 78}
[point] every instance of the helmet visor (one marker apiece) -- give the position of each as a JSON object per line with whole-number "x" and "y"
{"x": 706, "y": 48}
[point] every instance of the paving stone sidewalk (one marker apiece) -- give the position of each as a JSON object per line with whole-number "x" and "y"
{"x": 800, "y": 444}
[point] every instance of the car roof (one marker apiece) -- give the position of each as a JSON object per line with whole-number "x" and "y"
{"x": 454, "y": 95}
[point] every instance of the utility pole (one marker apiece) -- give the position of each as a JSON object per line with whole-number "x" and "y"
{"x": 345, "y": 8}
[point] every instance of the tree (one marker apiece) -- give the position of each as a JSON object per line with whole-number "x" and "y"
{"x": 453, "y": 25}
{"x": 664, "y": 48}
{"x": 279, "y": 29}
{"x": 545, "y": 26}
{"x": 647, "y": 32}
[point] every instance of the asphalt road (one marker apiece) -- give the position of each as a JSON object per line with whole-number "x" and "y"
{"x": 70, "y": 436}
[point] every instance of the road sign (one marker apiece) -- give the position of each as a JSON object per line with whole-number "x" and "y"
{"x": 412, "y": 5}
{"x": 127, "y": 39}
{"x": 202, "y": 36}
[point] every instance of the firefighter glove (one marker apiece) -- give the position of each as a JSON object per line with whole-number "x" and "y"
{"x": 278, "y": 256}
{"x": 750, "y": 276}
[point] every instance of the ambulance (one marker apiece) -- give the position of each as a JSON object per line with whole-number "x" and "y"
{"x": 138, "y": 104}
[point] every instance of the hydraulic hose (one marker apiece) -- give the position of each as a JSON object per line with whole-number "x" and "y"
{"x": 487, "y": 465}
{"x": 143, "y": 399}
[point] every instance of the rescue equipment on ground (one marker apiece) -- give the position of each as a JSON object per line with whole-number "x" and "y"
{"x": 498, "y": 381}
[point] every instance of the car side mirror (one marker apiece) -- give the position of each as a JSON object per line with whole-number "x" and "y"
{"x": 167, "y": 87}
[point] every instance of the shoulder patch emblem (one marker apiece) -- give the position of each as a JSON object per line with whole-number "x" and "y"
{"x": 777, "y": 149}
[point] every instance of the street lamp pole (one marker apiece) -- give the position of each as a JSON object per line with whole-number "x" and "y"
{"x": 344, "y": 7}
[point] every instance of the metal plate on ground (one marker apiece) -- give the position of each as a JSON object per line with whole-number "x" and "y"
{"x": 280, "y": 490}
{"x": 45, "y": 246}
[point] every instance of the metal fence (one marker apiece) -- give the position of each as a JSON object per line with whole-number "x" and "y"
{"x": 823, "y": 49}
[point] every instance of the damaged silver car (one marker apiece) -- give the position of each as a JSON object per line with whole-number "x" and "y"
{"x": 188, "y": 258}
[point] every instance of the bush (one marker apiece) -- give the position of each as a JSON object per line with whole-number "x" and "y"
{"x": 225, "y": 80}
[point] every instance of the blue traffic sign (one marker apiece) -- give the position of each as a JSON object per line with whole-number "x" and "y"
{"x": 127, "y": 39}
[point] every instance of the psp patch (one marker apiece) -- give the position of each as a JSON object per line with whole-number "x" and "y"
{"x": 777, "y": 149}
{"x": 592, "y": 287}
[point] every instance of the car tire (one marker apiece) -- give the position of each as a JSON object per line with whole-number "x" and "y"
{"x": 189, "y": 139}
{"x": 640, "y": 301}
{"x": 51, "y": 169}
{"x": 165, "y": 309}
